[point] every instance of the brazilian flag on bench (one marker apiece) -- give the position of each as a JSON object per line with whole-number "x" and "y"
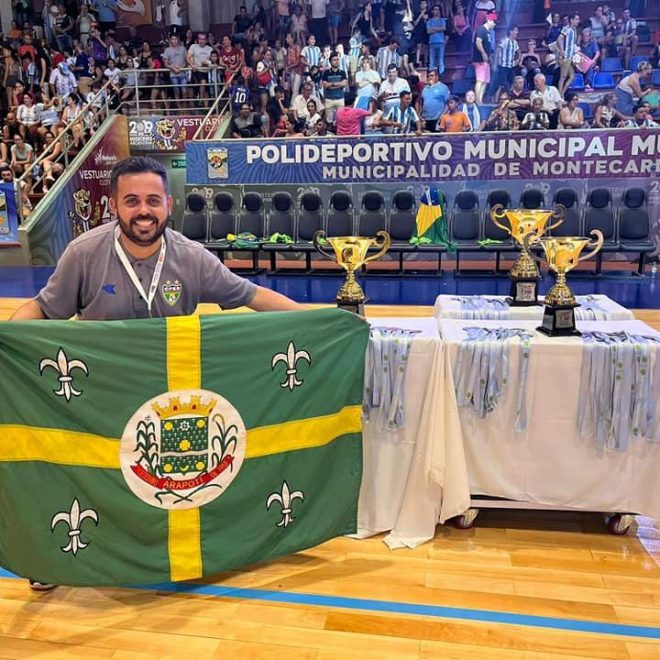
{"x": 135, "y": 452}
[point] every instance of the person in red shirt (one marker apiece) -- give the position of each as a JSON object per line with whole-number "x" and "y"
{"x": 347, "y": 118}
{"x": 232, "y": 58}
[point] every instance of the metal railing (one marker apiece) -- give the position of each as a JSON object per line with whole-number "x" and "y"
{"x": 220, "y": 108}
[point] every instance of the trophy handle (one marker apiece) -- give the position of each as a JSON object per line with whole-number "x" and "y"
{"x": 315, "y": 239}
{"x": 527, "y": 239}
{"x": 560, "y": 214}
{"x": 599, "y": 244}
{"x": 496, "y": 214}
{"x": 384, "y": 247}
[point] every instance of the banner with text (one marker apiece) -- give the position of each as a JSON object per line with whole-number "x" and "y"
{"x": 8, "y": 218}
{"x": 461, "y": 157}
{"x": 164, "y": 133}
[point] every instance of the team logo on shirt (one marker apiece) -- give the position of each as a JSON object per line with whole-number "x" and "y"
{"x": 172, "y": 292}
{"x": 218, "y": 163}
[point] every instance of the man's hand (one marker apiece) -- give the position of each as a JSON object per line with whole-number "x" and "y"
{"x": 267, "y": 300}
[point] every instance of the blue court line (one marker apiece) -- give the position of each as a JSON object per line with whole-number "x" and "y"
{"x": 438, "y": 611}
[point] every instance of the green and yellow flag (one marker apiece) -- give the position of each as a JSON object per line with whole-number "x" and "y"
{"x": 431, "y": 221}
{"x": 134, "y": 452}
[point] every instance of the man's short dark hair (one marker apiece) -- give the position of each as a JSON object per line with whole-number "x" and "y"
{"x": 136, "y": 165}
{"x": 454, "y": 98}
{"x": 349, "y": 98}
{"x": 403, "y": 93}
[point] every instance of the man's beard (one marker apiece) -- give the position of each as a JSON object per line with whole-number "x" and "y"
{"x": 131, "y": 229}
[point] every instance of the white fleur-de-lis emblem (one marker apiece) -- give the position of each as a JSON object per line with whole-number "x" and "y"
{"x": 64, "y": 367}
{"x": 291, "y": 359}
{"x": 285, "y": 499}
{"x": 73, "y": 519}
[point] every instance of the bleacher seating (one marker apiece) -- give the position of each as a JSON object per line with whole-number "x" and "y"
{"x": 603, "y": 80}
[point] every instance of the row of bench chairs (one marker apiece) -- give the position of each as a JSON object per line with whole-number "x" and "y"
{"x": 626, "y": 228}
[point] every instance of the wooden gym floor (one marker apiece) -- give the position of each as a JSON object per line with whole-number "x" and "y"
{"x": 518, "y": 586}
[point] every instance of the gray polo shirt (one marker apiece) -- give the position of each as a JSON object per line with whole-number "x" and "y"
{"x": 91, "y": 281}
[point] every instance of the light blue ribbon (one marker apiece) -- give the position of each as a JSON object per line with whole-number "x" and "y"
{"x": 481, "y": 370}
{"x": 619, "y": 388}
{"x": 385, "y": 375}
{"x": 590, "y": 309}
{"x": 483, "y": 308}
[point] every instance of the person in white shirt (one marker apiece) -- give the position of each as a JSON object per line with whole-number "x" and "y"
{"x": 198, "y": 58}
{"x": 552, "y": 100}
{"x": 391, "y": 88}
{"x": 299, "y": 105}
{"x": 367, "y": 80}
{"x": 319, "y": 14}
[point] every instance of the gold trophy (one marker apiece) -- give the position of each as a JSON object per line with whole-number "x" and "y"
{"x": 524, "y": 273}
{"x": 562, "y": 255}
{"x": 351, "y": 253}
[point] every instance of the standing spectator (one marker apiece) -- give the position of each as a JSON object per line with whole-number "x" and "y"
{"x": 241, "y": 24}
{"x": 571, "y": 115}
{"x": 436, "y": 27}
{"x": 567, "y": 47}
{"x": 588, "y": 54}
{"x": 432, "y": 100}
{"x": 176, "y": 14}
{"x": 335, "y": 84}
{"x": 63, "y": 29}
{"x": 537, "y": 119}
{"x": 508, "y": 59}
{"x": 198, "y": 58}
{"x": 606, "y": 115}
{"x": 174, "y": 58}
{"x": 481, "y": 10}
{"x": 22, "y": 11}
{"x": 481, "y": 56}
{"x": 232, "y": 57}
{"x": 553, "y": 32}
{"x": 335, "y": 11}
{"x": 598, "y": 24}
{"x": 106, "y": 10}
{"x": 388, "y": 56}
{"x": 630, "y": 88}
{"x": 402, "y": 117}
{"x": 215, "y": 76}
{"x": 461, "y": 27}
{"x": 84, "y": 24}
{"x": 551, "y": 99}
{"x": 293, "y": 65}
{"x": 348, "y": 118}
{"x": 239, "y": 93}
{"x": 298, "y": 25}
{"x": 319, "y": 20}
{"x": 630, "y": 38}
{"x": 283, "y": 16}
{"x": 311, "y": 54}
{"x": 363, "y": 23}
{"x": 391, "y": 88}
{"x": 276, "y": 108}
{"x": 453, "y": 120}
{"x": 62, "y": 82}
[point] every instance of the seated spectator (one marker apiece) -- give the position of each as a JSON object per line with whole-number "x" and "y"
{"x": 391, "y": 88}
{"x": 22, "y": 156}
{"x": 312, "y": 115}
{"x": 589, "y": 54}
{"x": 300, "y": 103}
{"x": 503, "y": 118}
{"x": 246, "y": 124}
{"x": 640, "y": 118}
{"x": 348, "y": 119}
{"x": 367, "y": 80}
{"x": 550, "y": 97}
{"x": 453, "y": 120}
{"x": 27, "y": 115}
{"x": 571, "y": 115}
{"x": 320, "y": 129}
{"x": 630, "y": 88}
{"x": 537, "y": 119}
{"x": 471, "y": 111}
{"x": 48, "y": 161}
{"x": 432, "y": 100}
{"x": 276, "y": 108}
{"x": 403, "y": 118}
{"x": 241, "y": 24}
{"x": 519, "y": 98}
{"x": 606, "y": 115}
{"x": 373, "y": 123}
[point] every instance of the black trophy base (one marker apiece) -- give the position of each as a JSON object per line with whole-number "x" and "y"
{"x": 524, "y": 293}
{"x": 559, "y": 321}
{"x": 355, "y": 307}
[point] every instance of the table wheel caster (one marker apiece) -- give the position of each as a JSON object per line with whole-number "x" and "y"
{"x": 619, "y": 523}
{"x": 465, "y": 520}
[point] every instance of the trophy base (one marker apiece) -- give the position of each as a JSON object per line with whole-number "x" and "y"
{"x": 559, "y": 321}
{"x": 524, "y": 293}
{"x": 355, "y": 307}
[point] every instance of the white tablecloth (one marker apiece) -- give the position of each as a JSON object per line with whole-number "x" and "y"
{"x": 550, "y": 463}
{"x": 415, "y": 475}
{"x": 450, "y": 307}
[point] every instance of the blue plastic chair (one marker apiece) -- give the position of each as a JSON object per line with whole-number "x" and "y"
{"x": 603, "y": 80}
{"x": 655, "y": 77}
{"x": 634, "y": 61}
{"x": 578, "y": 83}
{"x": 612, "y": 65}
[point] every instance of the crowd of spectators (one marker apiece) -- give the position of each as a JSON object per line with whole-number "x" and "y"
{"x": 303, "y": 62}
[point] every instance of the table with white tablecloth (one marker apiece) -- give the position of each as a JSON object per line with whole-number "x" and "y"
{"x": 415, "y": 475}
{"x": 549, "y": 462}
{"x": 592, "y": 308}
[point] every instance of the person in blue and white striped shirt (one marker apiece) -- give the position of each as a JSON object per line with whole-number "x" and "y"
{"x": 508, "y": 58}
{"x": 567, "y": 47}
{"x": 386, "y": 56}
{"x": 402, "y": 118}
{"x": 310, "y": 55}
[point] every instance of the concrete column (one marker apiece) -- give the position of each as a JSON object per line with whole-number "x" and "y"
{"x": 199, "y": 15}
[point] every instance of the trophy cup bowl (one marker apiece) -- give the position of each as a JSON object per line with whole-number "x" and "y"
{"x": 563, "y": 254}
{"x": 350, "y": 252}
{"x": 524, "y": 273}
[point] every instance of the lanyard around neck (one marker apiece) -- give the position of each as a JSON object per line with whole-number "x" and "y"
{"x": 131, "y": 271}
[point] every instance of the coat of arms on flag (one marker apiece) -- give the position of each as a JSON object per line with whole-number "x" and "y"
{"x": 182, "y": 449}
